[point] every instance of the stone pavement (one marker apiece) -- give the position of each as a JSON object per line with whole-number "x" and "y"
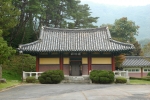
{"x": 77, "y": 92}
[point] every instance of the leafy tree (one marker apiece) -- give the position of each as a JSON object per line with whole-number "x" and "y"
{"x": 124, "y": 30}
{"x": 138, "y": 50}
{"x": 5, "y": 50}
{"x": 51, "y": 13}
{"x": 8, "y": 14}
{"x": 119, "y": 60}
{"x": 13, "y": 68}
{"x": 25, "y": 29}
{"x": 82, "y": 18}
{"x": 144, "y": 42}
{"x": 146, "y": 49}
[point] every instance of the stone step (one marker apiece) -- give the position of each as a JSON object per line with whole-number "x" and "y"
{"x": 76, "y": 79}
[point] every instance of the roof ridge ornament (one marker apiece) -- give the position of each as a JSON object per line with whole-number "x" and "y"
{"x": 108, "y": 32}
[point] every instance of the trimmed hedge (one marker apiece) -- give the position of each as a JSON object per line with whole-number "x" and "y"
{"x": 143, "y": 78}
{"x": 102, "y": 76}
{"x": 121, "y": 80}
{"x": 148, "y": 74}
{"x": 51, "y": 77}
{"x": 30, "y": 80}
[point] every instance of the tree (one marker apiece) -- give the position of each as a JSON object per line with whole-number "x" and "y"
{"x": 119, "y": 60}
{"x": 82, "y": 18}
{"x": 8, "y": 19}
{"x": 25, "y": 29}
{"x": 51, "y": 13}
{"x": 146, "y": 50}
{"x": 9, "y": 15}
{"x": 124, "y": 30}
{"x": 5, "y": 51}
{"x": 138, "y": 50}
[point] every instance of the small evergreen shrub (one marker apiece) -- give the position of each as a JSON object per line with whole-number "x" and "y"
{"x": 147, "y": 78}
{"x": 102, "y": 76}
{"x": 30, "y": 79}
{"x": 94, "y": 76}
{"x": 121, "y": 80}
{"x": 51, "y": 77}
{"x": 148, "y": 74}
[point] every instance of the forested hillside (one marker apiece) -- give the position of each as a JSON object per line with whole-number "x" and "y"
{"x": 108, "y": 14}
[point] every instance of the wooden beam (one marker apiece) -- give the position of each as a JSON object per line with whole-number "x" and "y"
{"x": 141, "y": 72}
{"x": 37, "y": 64}
{"x": 89, "y": 62}
{"x": 113, "y": 63}
{"x": 61, "y": 61}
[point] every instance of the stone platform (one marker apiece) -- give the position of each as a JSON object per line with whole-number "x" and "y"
{"x": 76, "y": 79}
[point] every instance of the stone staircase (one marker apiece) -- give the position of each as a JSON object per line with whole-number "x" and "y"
{"x": 76, "y": 79}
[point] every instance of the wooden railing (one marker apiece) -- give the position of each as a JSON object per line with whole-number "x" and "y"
{"x": 30, "y": 74}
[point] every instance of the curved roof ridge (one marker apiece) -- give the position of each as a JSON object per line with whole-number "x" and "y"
{"x": 122, "y": 43}
{"x": 79, "y": 29}
{"x": 32, "y": 43}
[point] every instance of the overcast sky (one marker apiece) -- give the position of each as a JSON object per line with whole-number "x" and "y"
{"x": 122, "y": 2}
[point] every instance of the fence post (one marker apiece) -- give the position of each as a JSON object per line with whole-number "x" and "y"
{"x": 30, "y": 74}
{"x": 36, "y": 76}
{"x": 24, "y": 77}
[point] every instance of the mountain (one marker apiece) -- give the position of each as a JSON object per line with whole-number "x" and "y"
{"x": 109, "y": 13}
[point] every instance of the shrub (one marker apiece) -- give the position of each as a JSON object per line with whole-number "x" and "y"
{"x": 148, "y": 74}
{"x": 102, "y": 76}
{"x": 51, "y": 77}
{"x": 94, "y": 76}
{"x": 30, "y": 79}
{"x": 121, "y": 80}
{"x": 147, "y": 78}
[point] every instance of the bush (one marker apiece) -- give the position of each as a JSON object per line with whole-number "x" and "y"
{"x": 121, "y": 80}
{"x": 51, "y": 77}
{"x": 147, "y": 78}
{"x": 135, "y": 78}
{"x": 148, "y": 74}
{"x": 102, "y": 76}
{"x": 30, "y": 79}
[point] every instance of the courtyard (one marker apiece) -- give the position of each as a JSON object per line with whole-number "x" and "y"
{"x": 77, "y": 92}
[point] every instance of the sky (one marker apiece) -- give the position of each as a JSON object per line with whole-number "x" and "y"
{"x": 121, "y": 2}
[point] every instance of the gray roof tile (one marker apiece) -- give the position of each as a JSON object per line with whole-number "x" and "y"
{"x": 54, "y": 39}
{"x": 135, "y": 61}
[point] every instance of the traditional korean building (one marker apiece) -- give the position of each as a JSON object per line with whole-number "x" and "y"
{"x": 137, "y": 66}
{"x": 75, "y": 51}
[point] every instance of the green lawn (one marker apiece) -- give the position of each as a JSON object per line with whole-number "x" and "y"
{"x": 134, "y": 81}
{"x": 10, "y": 83}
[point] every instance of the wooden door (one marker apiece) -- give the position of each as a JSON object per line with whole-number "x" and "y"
{"x": 75, "y": 68}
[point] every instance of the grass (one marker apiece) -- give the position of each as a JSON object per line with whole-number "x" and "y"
{"x": 135, "y": 81}
{"x": 10, "y": 83}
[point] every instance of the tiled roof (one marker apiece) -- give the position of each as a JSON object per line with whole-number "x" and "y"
{"x": 55, "y": 39}
{"x": 135, "y": 61}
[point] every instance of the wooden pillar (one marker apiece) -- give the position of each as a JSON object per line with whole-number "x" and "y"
{"x": 89, "y": 63}
{"x": 141, "y": 72}
{"x": 37, "y": 64}
{"x": 113, "y": 63}
{"x": 61, "y": 61}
